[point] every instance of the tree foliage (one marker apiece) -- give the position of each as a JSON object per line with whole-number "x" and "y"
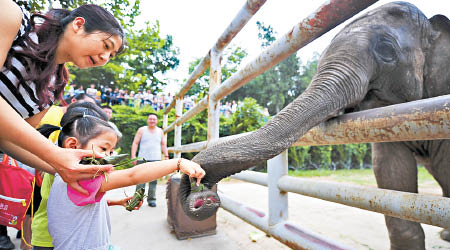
{"x": 232, "y": 56}
{"x": 124, "y": 10}
{"x": 248, "y": 117}
{"x": 129, "y": 119}
{"x": 147, "y": 56}
{"x": 273, "y": 88}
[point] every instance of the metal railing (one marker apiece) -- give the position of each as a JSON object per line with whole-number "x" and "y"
{"x": 420, "y": 120}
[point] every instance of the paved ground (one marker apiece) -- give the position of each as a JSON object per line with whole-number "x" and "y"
{"x": 148, "y": 228}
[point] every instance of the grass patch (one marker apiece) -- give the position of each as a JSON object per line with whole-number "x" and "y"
{"x": 358, "y": 176}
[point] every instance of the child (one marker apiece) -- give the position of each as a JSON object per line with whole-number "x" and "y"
{"x": 76, "y": 221}
{"x": 41, "y": 239}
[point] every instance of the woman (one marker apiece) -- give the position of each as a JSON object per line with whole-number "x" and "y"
{"x": 33, "y": 76}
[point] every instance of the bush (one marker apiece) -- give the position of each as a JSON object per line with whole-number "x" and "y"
{"x": 130, "y": 119}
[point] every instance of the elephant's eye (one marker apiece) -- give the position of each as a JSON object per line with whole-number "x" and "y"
{"x": 386, "y": 52}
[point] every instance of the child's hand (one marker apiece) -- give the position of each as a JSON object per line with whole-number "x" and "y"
{"x": 192, "y": 169}
{"x": 124, "y": 202}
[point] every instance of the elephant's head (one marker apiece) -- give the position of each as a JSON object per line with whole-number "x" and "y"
{"x": 376, "y": 60}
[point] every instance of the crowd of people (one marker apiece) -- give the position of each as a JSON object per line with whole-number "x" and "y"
{"x": 118, "y": 96}
{"x": 157, "y": 101}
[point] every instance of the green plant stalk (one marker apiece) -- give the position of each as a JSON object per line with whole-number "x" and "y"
{"x": 116, "y": 160}
{"x": 137, "y": 198}
{"x": 195, "y": 188}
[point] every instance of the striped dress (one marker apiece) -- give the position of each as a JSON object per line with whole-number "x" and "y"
{"x": 22, "y": 98}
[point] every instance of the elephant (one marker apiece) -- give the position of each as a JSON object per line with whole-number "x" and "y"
{"x": 390, "y": 55}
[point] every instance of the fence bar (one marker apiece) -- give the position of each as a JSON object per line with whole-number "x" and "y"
{"x": 215, "y": 75}
{"x": 178, "y": 113}
{"x": 328, "y": 16}
{"x": 240, "y": 20}
{"x": 196, "y": 74}
{"x": 433, "y": 210}
{"x": 198, "y": 146}
{"x": 192, "y": 147}
{"x": 201, "y": 105}
{"x": 278, "y": 200}
{"x": 338, "y": 192}
{"x": 165, "y": 122}
{"x": 426, "y": 119}
{"x": 252, "y": 177}
{"x": 419, "y": 120}
{"x": 292, "y": 235}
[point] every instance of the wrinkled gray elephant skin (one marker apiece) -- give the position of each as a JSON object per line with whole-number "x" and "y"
{"x": 390, "y": 55}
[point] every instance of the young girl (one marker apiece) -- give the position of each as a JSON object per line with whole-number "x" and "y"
{"x": 41, "y": 239}
{"x": 76, "y": 221}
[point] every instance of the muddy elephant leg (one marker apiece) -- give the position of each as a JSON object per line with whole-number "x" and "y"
{"x": 396, "y": 168}
{"x": 439, "y": 168}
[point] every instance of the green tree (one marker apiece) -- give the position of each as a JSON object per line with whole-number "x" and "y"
{"x": 233, "y": 57}
{"x": 124, "y": 10}
{"x": 248, "y": 117}
{"x": 147, "y": 55}
{"x": 129, "y": 119}
{"x": 272, "y": 88}
{"x": 306, "y": 74}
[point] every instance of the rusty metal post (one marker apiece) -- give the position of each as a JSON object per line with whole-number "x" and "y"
{"x": 277, "y": 167}
{"x": 213, "y": 105}
{"x": 178, "y": 113}
{"x": 165, "y": 123}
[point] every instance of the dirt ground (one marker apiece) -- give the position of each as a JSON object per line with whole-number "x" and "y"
{"x": 353, "y": 227}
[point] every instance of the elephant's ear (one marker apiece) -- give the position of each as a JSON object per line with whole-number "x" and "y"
{"x": 440, "y": 23}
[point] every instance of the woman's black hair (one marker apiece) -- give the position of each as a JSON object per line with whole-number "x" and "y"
{"x": 83, "y": 121}
{"x": 40, "y": 57}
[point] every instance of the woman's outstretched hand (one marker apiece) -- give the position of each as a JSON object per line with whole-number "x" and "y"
{"x": 67, "y": 164}
{"x": 192, "y": 169}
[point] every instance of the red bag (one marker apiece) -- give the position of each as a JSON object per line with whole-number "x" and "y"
{"x": 16, "y": 192}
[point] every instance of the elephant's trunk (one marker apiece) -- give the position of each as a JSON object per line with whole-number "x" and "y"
{"x": 334, "y": 87}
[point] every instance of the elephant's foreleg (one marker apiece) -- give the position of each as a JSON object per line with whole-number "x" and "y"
{"x": 439, "y": 168}
{"x": 396, "y": 169}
